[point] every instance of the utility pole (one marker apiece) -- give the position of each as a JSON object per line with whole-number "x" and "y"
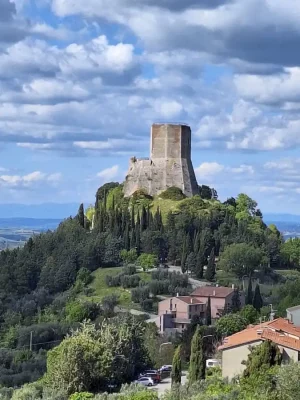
{"x": 30, "y": 343}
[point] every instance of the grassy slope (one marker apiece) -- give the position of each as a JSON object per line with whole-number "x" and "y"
{"x": 101, "y": 289}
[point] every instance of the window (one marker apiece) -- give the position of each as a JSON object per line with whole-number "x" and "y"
{"x": 182, "y": 326}
{"x": 190, "y": 316}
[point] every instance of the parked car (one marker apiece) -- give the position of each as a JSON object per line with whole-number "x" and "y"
{"x": 166, "y": 368}
{"x": 152, "y": 373}
{"x": 145, "y": 381}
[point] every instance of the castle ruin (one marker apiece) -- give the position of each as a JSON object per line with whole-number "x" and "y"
{"x": 169, "y": 164}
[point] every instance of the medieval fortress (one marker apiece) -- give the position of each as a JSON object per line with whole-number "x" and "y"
{"x": 169, "y": 164}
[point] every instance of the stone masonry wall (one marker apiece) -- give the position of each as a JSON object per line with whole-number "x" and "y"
{"x": 170, "y": 163}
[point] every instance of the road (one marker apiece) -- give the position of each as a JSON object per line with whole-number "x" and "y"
{"x": 194, "y": 282}
{"x": 166, "y": 385}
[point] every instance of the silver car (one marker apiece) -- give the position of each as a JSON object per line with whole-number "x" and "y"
{"x": 145, "y": 381}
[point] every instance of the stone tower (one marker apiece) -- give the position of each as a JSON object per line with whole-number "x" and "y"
{"x": 169, "y": 165}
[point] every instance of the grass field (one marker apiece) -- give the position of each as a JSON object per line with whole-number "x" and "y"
{"x": 101, "y": 290}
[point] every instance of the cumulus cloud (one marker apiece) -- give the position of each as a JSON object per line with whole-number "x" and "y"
{"x": 26, "y": 181}
{"x": 108, "y": 174}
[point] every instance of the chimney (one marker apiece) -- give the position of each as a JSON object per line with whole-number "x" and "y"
{"x": 214, "y": 293}
{"x": 191, "y": 300}
{"x": 177, "y": 294}
{"x": 259, "y": 331}
{"x": 232, "y": 286}
{"x": 217, "y": 285}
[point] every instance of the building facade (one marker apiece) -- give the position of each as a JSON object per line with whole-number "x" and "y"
{"x": 236, "y": 348}
{"x": 176, "y": 313}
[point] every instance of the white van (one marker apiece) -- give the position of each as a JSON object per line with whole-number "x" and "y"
{"x": 210, "y": 363}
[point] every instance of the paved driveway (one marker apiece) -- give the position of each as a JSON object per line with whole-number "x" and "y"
{"x": 166, "y": 385}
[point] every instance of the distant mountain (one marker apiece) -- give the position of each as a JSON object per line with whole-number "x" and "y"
{"x": 39, "y": 211}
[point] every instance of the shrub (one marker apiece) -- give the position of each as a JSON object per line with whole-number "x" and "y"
{"x": 173, "y": 193}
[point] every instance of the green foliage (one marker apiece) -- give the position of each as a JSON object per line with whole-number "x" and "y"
{"x": 262, "y": 357}
{"x": 249, "y": 296}
{"x": 290, "y": 251}
{"x": 172, "y": 193}
{"x": 176, "y": 367}
{"x": 230, "y": 324}
{"x": 250, "y": 314}
{"x": 208, "y": 312}
{"x": 128, "y": 256}
{"x": 242, "y": 259}
{"x": 84, "y": 276}
{"x": 78, "y": 311}
{"x": 211, "y": 267}
{"x": 81, "y": 396}
{"x": 197, "y": 360}
{"x": 147, "y": 261}
{"x": 257, "y": 299}
{"x": 87, "y": 360}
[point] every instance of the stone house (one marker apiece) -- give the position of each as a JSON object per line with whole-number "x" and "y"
{"x": 236, "y": 348}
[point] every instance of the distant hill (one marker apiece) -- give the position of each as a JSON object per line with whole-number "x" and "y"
{"x": 29, "y": 223}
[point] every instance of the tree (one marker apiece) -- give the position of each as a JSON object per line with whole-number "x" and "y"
{"x": 205, "y": 192}
{"x": 257, "y": 299}
{"x": 147, "y": 261}
{"x": 80, "y": 215}
{"x": 197, "y": 360}
{"x": 128, "y": 257}
{"x": 236, "y": 301}
{"x": 191, "y": 262}
{"x": 230, "y": 324}
{"x": 211, "y": 267}
{"x": 262, "y": 357}
{"x": 249, "y": 296}
{"x": 176, "y": 367}
{"x": 249, "y": 313}
{"x": 208, "y": 312}
{"x": 241, "y": 258}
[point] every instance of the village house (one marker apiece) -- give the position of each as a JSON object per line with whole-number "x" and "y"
{"x": 236, "y": 348}
{"x": 175, "y": 313}
{"x": 220, "y": 298}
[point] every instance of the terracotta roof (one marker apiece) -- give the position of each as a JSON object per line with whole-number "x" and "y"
{"x": 213, "y": 291}
{"x": 248, "y": 335}
{"x": 281, "y": 339}
{"x": 284, "y": 325}
{"x": 272, "y": 330}
{"x": 190, "y": 300}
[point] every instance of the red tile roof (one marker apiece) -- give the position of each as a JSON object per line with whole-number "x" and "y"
{"x": 190, "y": 300}
{"x": 281, "y": 339}
{"x": 284, "y": 325}
{"x": 277, "y": 331}
{"x": 212, "y": 291}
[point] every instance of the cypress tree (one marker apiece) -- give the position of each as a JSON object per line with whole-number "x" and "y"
{"x": 196, "y": 243}
{"x": 132, "y": 238}
{"x": 197, "y": 359}
{"x": 183, "y": 257}
{"x": 144, "y": 219}
{"x": 249, "y": 296}
{"x": 236, "y": 301}
{"x": 208, "y": 312}
{"x": 189, "y": 244}
{"x": 132, "y": 224}
{"x": 138, "y": 234}
{"x": 126, "y": 238}
{"x": 257, "y": 299}
{"x": 176, "y": 367}
{"x": 80, "y": 215}
{"x": 211, "y": 267}
{"x": 199, "y": 265}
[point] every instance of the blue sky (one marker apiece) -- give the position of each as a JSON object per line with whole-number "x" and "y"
{"x": 82, "y": 81}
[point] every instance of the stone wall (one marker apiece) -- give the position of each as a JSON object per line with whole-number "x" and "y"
{"x": 170, "y": 163}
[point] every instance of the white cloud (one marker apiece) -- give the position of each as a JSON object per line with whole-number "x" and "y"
{"x": 109, "y": 173}
{"x": 28, "y": 180}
